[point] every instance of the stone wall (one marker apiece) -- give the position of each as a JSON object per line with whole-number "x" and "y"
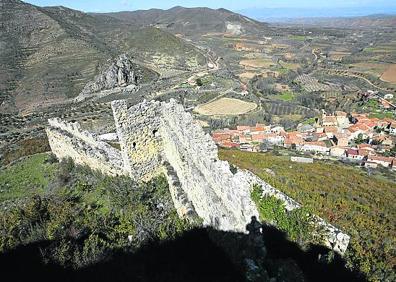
{"x": 332, "y": 237}
{"x": 162, "y": 138}
{"x": 217, "y": 195}
{"x": 159, "y": 137}
{"x": 138, "y": 132}
{"x": 68, "y": 140}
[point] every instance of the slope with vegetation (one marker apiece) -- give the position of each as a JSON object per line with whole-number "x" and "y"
{"x": 345, "y": 196}
{"x": 84, "y": 215}
{"x": 189, "y": 21}
{"x": 49, "y": 54}
{"x": 64, "y": 222}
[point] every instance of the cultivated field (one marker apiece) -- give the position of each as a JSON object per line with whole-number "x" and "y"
{"x": 225, "y": 106}
{"x": 390, "y": 74}
{"x": 311, "y": 84}
{"x": 338, "y": 55}
{"x": 257, "y": 63}
{"x": 375, "y": 69}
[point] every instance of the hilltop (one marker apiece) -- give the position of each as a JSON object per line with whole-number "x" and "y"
{"x": 191, "y": 21}
{"x": 49, "y": 54}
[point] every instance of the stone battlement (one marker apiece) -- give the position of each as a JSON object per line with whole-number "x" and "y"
{"x": 68, "y": 140}
{"x": 74, "y": 129}
{"x": 157, "y": 137}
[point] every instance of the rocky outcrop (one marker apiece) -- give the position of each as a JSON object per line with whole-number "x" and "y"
{"x": 121, "y": 73}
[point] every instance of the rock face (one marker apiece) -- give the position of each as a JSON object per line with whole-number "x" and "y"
{"x": 121, "y": 73}
{"x": 161, "y": 137}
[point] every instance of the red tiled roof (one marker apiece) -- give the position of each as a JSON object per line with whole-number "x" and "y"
{"x": 258, "y": 137}
{"x": 257, "y": 129}
{"x": 365, "y": 147}
{"x": 352, "y": 152}
{"x": 228, "y": 144}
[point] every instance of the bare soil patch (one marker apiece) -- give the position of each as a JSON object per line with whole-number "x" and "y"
{"x": 390, "y": 74}
{"x": 225, "y": 106}
{"x": 257, "y": 63}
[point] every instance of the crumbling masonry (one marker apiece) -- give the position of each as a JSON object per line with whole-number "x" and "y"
{"x": 158, "y": 137}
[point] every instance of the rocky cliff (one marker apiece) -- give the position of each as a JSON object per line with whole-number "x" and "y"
{"x": 121, "y": 73}
{"x": 48, "y": 55}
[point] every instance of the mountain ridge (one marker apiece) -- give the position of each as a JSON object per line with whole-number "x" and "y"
{"x": 188, "y": 21}
{"x": 49, "y": 54}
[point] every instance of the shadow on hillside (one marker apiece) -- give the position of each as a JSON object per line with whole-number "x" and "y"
{"x": 192, "y": 257}
{"x": 279, "y": 248}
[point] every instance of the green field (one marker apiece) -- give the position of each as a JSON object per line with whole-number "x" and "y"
{"x": 298, "y": 37}
{"x": 285, "y": 96}
{"x": 382, "y": 115}
{"x": 27, "y": 177}
{"x": 345, "y": 196}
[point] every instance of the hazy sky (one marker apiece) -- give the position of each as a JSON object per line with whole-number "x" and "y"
{"x": 121, "y": 5}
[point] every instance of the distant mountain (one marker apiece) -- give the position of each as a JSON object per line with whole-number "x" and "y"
{"x": 372, "y": 21}
{"x": 282, "y": 14}
{"x": 48, "y": 55}
{"x": 191, "y": 21}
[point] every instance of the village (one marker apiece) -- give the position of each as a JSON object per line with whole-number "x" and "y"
{"x": 355, "y": 138}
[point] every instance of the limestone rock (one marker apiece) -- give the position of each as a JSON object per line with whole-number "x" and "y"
{"x": 120, "y": 73}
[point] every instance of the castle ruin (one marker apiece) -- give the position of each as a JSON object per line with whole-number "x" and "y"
{"x": 158, "y": 137}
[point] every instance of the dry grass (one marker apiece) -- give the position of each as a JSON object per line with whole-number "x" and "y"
{"x": 338, "y": 55}
{"x": 225, "y": 106}
{"x": 390, "y": 74}
{"x": 290, "y": 66}
{"x": 247, "y": 75}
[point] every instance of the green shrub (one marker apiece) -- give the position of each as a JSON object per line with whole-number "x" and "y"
{"x": 296, "y": 223}
{"x": 345, "y": 196}
{"x": 87, "y": 215}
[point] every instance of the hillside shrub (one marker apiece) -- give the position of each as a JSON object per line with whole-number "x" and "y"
{"x": 296, "y": 223}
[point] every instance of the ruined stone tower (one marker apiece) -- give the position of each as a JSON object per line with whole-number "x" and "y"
{"x": 157, "y": 137}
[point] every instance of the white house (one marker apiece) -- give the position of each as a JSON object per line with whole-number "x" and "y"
{"x": 384, "y": 161}
{"x": 317, "y": 147}
{"x": 337, "y": 152}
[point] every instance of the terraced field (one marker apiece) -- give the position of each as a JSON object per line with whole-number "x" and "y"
{"x": 285, "y": 108}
